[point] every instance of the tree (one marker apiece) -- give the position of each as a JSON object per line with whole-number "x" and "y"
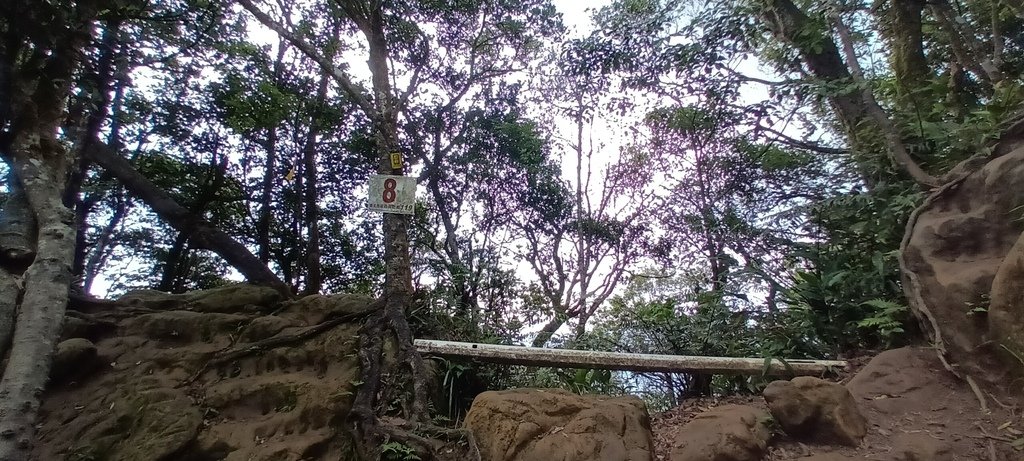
{"x": 397, "y": 42}
{"x": 39, "y": 60}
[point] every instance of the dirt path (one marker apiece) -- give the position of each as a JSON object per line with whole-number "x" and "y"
{"x": 916, "y": 410}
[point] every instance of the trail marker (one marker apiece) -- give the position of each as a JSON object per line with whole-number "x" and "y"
{"x": 392, "y": 194}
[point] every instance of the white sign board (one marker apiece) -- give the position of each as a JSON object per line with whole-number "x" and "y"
{"x": 392, "y": 194}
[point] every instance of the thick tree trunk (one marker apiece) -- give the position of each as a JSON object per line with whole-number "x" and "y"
{"x": 860, "y": 115}
{"x": 201, "y": 233}
{"x": 40, "y": 162}
{"x": 906, "y": 40}
{"x": 821, "y": 56}
{"x": 10, "y": 294}
{"x": 549, "y": 329}
{"x": 41, "y": 313}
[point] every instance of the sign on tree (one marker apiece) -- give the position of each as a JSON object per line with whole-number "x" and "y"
{"x": 392, "y": 194}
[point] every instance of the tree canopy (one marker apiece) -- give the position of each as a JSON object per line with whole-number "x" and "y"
{"x": 676, "y": 170}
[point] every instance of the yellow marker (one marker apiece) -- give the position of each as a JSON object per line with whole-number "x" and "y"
{"x": 396, "y": 160}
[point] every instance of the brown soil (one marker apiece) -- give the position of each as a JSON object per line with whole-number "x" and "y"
{"x": 917, "y": 411}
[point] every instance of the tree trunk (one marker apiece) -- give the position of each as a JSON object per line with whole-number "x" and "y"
{"x": 269, "y": 171}
{"x": 313, "y": 273}
{"x": 906, "y": 40}
{"x": 17, "y": 227}
{"x": 172, "y": 263}
{"x": 549, "y": 329}
{"x": 539, "y": 356}
{"x": 42, "y": 307}
{"x": 201, "y": 233}
{"x": 860, "y": 115}
{"x": 821, "y": 56}
{"x": 42, "y": 81}
{"x": 267, "y": 197}
{"x": 99, "y": 249}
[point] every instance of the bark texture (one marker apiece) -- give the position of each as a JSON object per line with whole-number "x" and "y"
{"x": 36, "y": 105}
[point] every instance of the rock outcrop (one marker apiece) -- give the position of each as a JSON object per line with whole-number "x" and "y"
{"x": 965, "y": 265}
{"x": 553, "y": 424}
{"x": 154, "y": 398}
{"x": 813, "y": 409}
{"x": 725, "y": 433}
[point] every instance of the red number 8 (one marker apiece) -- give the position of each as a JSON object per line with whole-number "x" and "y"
{"x": 389, "y": 190}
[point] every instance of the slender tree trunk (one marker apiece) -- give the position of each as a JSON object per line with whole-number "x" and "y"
{"x": 897, "y": 148}
{"x": 398, "y": 286}
{"x": 267, "y": 197}
{"x": 312, "y": 198}
{"x": 100, "y": 247}
{"x": 549, "y": 329}
{"x": 269, "y": 173}
{"x": 172, "y": 263}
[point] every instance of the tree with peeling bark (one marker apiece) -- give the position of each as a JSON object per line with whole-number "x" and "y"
{"x": 39, "y": 60}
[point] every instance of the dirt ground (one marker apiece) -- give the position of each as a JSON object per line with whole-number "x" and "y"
{"x": 917, "y": 411}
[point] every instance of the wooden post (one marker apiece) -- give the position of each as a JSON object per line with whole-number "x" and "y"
{"x": 539, "y": 356}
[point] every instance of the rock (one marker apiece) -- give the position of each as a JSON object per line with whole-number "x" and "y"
{"x": 313, "y": 309}
{"x": 553, "y": 424}
{"x": 725, "y": 433}
{"x": 1006, "y": 305}
{"x": 234, "y": 298}
{"x": 151, "y": 299}
{"x": 73, "y": 358}
{"x": 288, "y": 402}
{"x": 902, "y": 381}
{"x": 966, "y": 269}
{"x": 264, "y": 327}
{"x": 183, "y": 326}
{"x": 91, "y": 329}
{"x": 814, "y": 409}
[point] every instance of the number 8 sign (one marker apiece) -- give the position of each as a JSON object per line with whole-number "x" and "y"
{"x": 392, "y": 194}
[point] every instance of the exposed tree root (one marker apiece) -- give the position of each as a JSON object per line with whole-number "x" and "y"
{"x": 372, "y": 431}
{"x": 233, "y": 354}
{"x": 913, "y": 285}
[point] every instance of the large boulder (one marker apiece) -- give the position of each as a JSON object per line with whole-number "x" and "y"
{"x": 556, "y": 425}
{"x": 725, "y": 433}
{"x": 814, "y": 409}
{"x": 961, "y": 243}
